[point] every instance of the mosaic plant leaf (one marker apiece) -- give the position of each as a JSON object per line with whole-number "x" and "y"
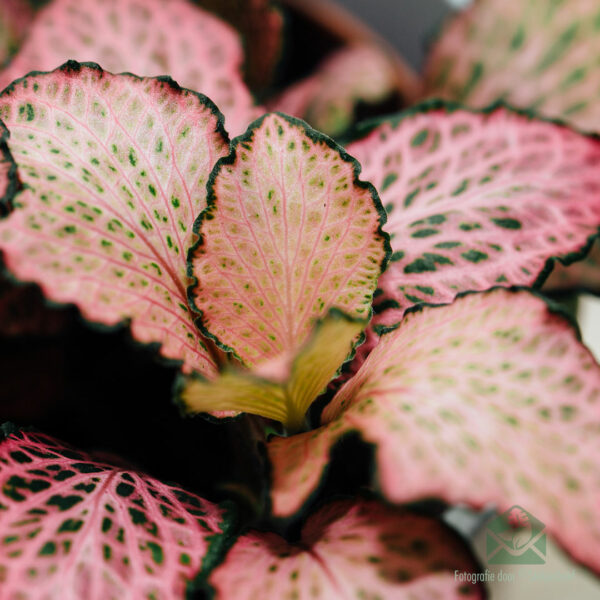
{"x": 145, "y": 37}
{"x": 283, "y": 388}
{"x": 492, "y": 399}
{"x": 328, "y": 99}
{"x": 350, "y": 549}
{"x": 71, "y": 527}
{"x": 15, "y": 17}
{"x": 538, "y": 54}
{"x": 478, "y": 199}
{"x": 115, "y": 169}
{"x": 289, "y": 234}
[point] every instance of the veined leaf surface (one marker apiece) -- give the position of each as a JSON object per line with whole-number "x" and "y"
{"x": 534, "y": 54}
{"x": 114, "y": 170}
{"x": 289, "y": 234}
{"x": 489, "y": 400}
{"x": 74, "y": 528}
{"x": 478, "y": 199}
{"x": 350, "y": 549}
{"x": 145, "y": 37}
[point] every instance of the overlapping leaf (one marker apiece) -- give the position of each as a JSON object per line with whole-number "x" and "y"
{"x": 145, "y": 37}
{"x": 478, "y": 199}
{"x": 328, "y": 98}
{"x": 490, "y": 399}
{"x": 74, "y": 528}
{"x": 539, "y": 54}
{"x": 290, "y": 233}
{"x": 15, "y": 17}
{"x": 584, "y": 274}
{"x": 350, "y": 550}
{"x": 114, "y": 169}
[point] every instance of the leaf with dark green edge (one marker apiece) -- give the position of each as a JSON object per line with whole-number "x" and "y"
{"x": 328, "y": 98}
{"x": 281, "y": 389}
{"x": 537, "y": 54}
{"x": 582, "y": 275}
{"x": 478, "y": 199}
{"x": 72, "y": 527}
{"x": 491, "y": 399}
{"x": 145, "y": 37}
{"x": 114, "y": 169}
{"x": 351, "y": 549}
{"x": 15, "y": 18}
{"x": 290, "y": 233}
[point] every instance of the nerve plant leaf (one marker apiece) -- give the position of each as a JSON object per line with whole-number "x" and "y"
{"x": 114, "y": 170}
{"x": 328, "y": 99}
{"x": 489, "y": 400}
{"x": 478, "y": 199}
{"x": 145, "y": 37}
{"x": 284, "y": 388}
{"x": 290, "y": 233}
{"x": 538, "y": 54}
{"x": 15, "y": 17}
{"x": 71, "y": 527}
{"x": 350, "y": 549}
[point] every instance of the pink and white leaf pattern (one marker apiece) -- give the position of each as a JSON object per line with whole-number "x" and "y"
{"x": 114, "y": 170}
{"x": 15, "y": 17}
{"x": 145, "y": 37}
{"x": 491, "y": 399}
{"x": 350, "y": 549}
{"x": 534, "y": 54}
{"x": 478, "y": 199}
{"x": 328, "y": 98}
{"x": 71, "y": 527}
{"x": 289, "y": 234}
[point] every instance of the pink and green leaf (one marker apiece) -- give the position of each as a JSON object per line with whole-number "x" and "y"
{"x": 491, "y": 399}
{"x": 328, "y": 98}
{"x": 71, "y": 527}
{"x": 145, "y": 37}
{"x": 15, "y": 18}
{"x": 582, "y": 275}
{"x": 534, "y": 54}
{"x": 290, "y": 233}
{"x": 114, "y": 171}
{"x": 350, "y": 549}
{"x": 478, "y": 199}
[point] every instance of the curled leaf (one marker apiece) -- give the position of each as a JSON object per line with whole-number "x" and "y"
{"x": 114, "y": 170}
{"x": 350, "y": 549}
{"x": 489, "y": 400}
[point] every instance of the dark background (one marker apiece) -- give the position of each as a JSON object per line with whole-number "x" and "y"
{"x": 407, "y": 24}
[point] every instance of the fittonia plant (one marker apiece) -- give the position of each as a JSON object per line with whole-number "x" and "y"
{"x": 254, "y": 264}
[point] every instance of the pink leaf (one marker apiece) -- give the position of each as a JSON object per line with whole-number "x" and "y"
{"x": 489, "y": 400}
{"x": 115, "y": 169}
{"x": 290, "y": 233}
{"x": 15, "y": 17}
{"x": 145, "y": 37}
{"x": 328, "y": 98}
{"x": 478, "y": 199}
{"x": 537, "y": 54}
{"x": 355, "y": 549}
{"x": 74, "y": 528}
